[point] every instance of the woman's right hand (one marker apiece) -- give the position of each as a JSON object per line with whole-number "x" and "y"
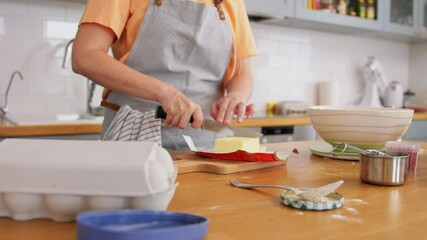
{"x": 90, "y": 59}
{"x": 179, "y": 109}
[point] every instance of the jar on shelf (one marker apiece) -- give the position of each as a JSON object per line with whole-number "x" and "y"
{"x": 408, "y": 98}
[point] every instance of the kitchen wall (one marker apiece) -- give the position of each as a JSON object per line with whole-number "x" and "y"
{"x": 33, "y": 36}
{"x": 418, "y": 72}
{"x": 291, "y": 62}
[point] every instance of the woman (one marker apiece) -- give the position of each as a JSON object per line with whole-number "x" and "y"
{"x": 189, "y": 56}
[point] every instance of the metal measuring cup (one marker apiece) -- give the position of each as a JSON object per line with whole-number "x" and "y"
{"x": 380, "y": 168}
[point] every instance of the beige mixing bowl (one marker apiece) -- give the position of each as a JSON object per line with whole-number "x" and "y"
{"x": 363, "y": 127}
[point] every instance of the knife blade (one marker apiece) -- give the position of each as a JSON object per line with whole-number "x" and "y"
{"x": 212, "y": 126}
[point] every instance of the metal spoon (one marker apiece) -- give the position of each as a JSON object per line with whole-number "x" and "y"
{"x": 312, "y": 194}
{"x": 373, "y": 153}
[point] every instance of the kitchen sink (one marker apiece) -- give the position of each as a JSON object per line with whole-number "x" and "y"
{"x": 50, "y": 119}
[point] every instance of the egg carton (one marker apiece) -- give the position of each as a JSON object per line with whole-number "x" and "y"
{"x": 58, "y": 179}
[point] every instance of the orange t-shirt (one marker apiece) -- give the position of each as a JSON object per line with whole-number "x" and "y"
{"x": 124, "y": 18}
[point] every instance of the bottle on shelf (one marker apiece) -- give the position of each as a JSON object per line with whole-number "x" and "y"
{"x": 309, "y": 4}
{"x": 314, "y": 4}
{"x": 361, "y": 8}
{"x": 370, "y": 9}
{"x": 342, "y": 7}
{"x": 328, "y": 6}
{"x": 351, "y": 8}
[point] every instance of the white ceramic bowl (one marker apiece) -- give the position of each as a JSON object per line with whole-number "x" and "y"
{"x": 364, "y": 127}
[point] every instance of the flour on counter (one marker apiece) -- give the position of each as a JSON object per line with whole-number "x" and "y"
{"x": 352, "y": 210}
{"x": 214, "y": 207}
{"x": 319, "y": 199}
{"x": 356, "y": 201}
{"x": 347, "y": 219}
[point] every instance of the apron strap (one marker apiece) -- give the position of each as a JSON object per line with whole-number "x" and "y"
{"x": 106, "y": 104}
{"x": 109, "y": 105}
{"x": 219, "y": 8}
{"x": 217, "y": 5}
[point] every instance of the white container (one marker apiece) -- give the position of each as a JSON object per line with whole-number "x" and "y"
{"x": 394, "y": 95}
{"x": 58, "y": 179}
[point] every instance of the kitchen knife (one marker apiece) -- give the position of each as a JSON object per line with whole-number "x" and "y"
{"x": 212, "y": 126}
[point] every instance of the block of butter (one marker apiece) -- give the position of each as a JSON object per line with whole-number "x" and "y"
{"x": 232, "y": 144}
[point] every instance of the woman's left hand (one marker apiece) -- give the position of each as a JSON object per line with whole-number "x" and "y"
{"x": 238, "y": 91}
{"x": 225, "y": 108}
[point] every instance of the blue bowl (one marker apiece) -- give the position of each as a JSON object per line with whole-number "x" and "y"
{"x": 140, "y": 224}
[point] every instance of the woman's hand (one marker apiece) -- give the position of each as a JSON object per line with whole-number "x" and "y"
{"x": 180, "y": 109}
{"x": 224, "y": 109}
{"x": 239, "y": 90}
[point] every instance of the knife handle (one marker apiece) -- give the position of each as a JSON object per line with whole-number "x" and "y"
{"x": 160, "y": 113}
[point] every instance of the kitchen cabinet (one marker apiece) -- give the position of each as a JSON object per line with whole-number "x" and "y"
{"x": 406, "y": 17}
{"x": 323, "y": 16}
{"x": 422, "y": 17}
{"x": 390, "y": 18}
{"x": 271, "y": 8}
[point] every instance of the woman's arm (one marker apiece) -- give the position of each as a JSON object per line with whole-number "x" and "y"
{"x": 238, "y": 92}
{"x": 90, "y": 58}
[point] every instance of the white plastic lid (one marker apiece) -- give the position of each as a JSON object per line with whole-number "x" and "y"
{"x": 95, "y": 168}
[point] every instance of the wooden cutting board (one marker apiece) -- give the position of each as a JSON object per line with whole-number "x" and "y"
{"x": 188, "y": 162}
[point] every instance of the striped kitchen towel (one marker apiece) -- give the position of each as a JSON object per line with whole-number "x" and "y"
{"x": 133, "y": 125}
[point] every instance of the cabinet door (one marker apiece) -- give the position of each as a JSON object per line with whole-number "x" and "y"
{"x": 270, "y": 8}
{"x": 400, "y": 17}
{"x": 421, "y": 20}
{"x": 305, "y": 10}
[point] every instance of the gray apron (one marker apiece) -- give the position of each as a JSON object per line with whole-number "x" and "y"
{"x": 186, "y": 45}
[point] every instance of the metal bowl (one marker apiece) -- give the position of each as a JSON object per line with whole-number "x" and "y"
{"x": 383, "y": 170}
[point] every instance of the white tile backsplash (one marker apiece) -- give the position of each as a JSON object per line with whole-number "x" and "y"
{"x": 304, "y": 58}
{"x": 33, "y": 36}
{"x": 74, "y": 11}
{"x": 418, "y": 72}
{"x": 47, "y": 9}
{"x": 61, "y": 29}
{"x": 289, "y": 49}
{"x": 34, "y": 33}
{"x": 13, "y": 7}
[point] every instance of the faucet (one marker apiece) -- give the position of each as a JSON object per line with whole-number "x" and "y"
{"x": 67, "y": 49}
{"x": 90, "y": 90}
{"x": 5, "y": 109}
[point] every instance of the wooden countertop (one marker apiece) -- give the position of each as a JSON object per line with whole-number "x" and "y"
{"x": 7, "y": 130}
{"x": 47, "y": 130}
{"x": 369, "y": 212}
